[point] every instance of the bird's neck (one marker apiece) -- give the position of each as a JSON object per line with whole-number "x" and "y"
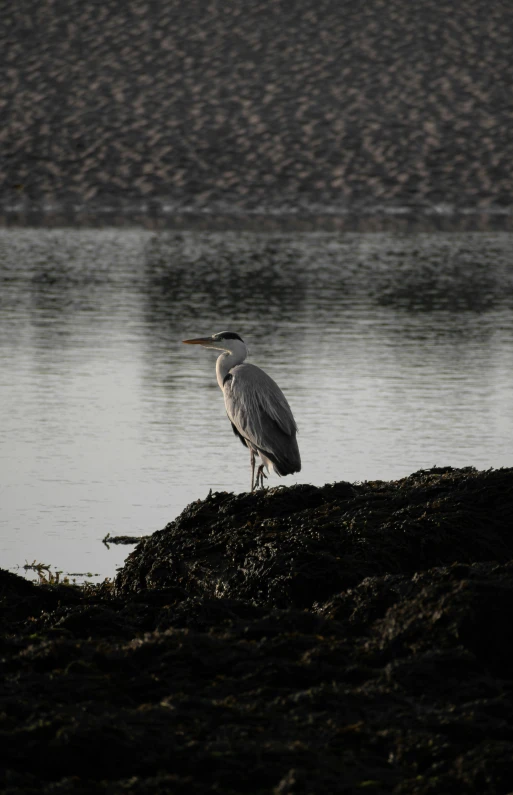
{"x": 226, "y": 361}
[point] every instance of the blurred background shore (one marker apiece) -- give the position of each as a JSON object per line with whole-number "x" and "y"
{"x": 328, "y": 111}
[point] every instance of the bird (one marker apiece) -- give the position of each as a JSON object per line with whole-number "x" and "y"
{"x": 256, "y": 407}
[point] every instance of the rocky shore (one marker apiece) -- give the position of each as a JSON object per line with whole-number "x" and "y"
{"x": 345, "y": 639}
{"x": 131, "y": 108}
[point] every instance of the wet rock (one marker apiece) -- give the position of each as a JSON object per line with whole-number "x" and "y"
{"x": 295, "y": 546}
{"x": 343, "y": 639}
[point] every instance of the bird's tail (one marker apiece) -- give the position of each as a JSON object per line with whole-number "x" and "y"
{"x": 283, "y": 464}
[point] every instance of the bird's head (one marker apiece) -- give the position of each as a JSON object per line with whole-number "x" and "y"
{"x": 223, "y": 341}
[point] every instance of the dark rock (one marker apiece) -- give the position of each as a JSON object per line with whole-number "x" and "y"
{"x": 344, "y": 639}
{"x": 295, "y": 546}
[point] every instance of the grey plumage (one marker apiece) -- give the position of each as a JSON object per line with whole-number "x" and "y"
{"x": 261, "y": 415}
{"x": 257, "y": 408}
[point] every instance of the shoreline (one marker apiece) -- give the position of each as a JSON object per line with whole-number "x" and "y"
{"x": 156, "y": 218}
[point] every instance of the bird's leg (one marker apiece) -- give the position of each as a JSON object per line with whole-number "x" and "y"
{"x": 260, "y": 476}
{"x": 252, "y": 452}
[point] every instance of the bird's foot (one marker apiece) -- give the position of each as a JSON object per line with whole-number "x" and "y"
{"x": 260, "y": 477}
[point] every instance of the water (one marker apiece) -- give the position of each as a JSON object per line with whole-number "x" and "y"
{"x": 395, "y": 353}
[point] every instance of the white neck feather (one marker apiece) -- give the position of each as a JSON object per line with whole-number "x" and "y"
{"x": 229, "y": 359}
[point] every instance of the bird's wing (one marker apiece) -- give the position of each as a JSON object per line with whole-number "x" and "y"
{"x": 257, "y": 407}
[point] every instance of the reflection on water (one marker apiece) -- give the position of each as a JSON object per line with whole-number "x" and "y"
{"x": 395, "y": 353}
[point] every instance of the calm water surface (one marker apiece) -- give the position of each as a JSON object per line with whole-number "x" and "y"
{"x": 395, "y": 352}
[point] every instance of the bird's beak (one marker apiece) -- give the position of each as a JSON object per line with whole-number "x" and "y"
{"x": 199, "y": 341}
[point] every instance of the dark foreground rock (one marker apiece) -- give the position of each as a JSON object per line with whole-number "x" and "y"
{"x": 342, "y": 639}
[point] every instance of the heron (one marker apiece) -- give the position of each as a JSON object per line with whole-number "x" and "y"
{"x": 256, "y": 407}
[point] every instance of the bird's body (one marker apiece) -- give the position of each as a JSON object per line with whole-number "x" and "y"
{"x": 256, "y": 407}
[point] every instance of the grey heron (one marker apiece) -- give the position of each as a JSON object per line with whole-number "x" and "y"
{"x": 256, "y": 407}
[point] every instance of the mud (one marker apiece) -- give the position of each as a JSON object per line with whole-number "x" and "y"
{"x": 355, "y": 637}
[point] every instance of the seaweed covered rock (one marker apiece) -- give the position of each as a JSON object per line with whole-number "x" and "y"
{"x": 345, "y": 639}
{"x": 294, "y": 546}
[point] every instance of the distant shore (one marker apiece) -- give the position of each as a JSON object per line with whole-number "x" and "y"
{"x": 156, "y": 218}
{"x": 327, "y": 110}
